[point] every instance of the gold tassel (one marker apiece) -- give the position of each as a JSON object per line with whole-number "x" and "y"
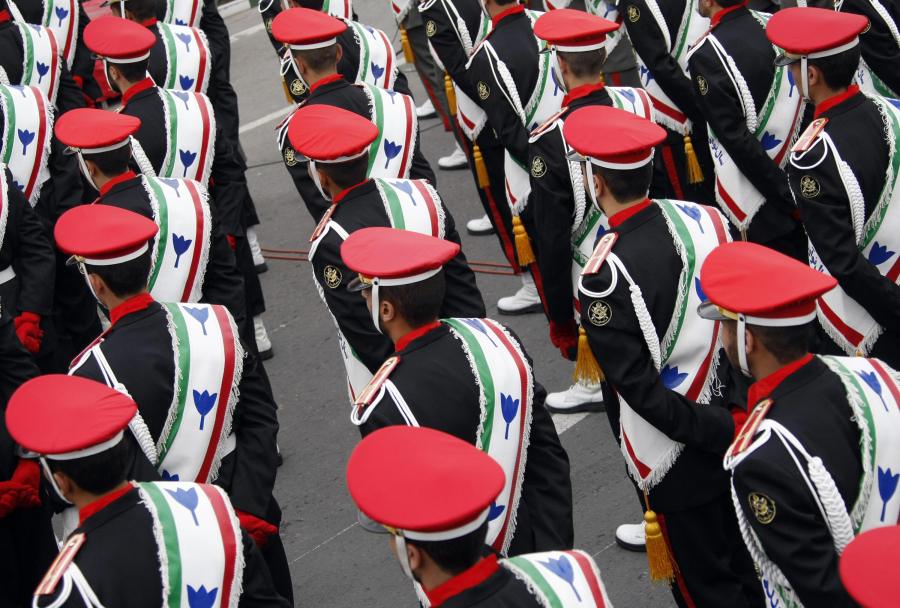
{"x": 660, "y": 562}
{"x": 523, "y": 243}
{"x": 451, "y": 94}
{"x": 694, "y": 172}
{"x": 587, "y": 370}
{"x": 602, "y": 78}
{"x": 287, "y": 92}
{"x": 480, "y": 168}
{"x": 407, "y": 47}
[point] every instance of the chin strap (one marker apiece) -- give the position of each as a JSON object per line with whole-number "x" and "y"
{"x": 314, "y": 175}
{"x": 375, "y": 304}
{"x": 804, "y": 78}
{"x": 591, "y": 189}
{"x": 402, "y": 556}
{"x": 742, "y": 345}
{"x": 48, "y": 475}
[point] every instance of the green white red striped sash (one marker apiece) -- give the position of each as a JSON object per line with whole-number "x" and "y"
{"x": 187, "y": 58}
{"x": 181, "y": 210}
{"x": 506, "y": 394}
{"x": 198, "y": 544}
{"x": 560, "y": 579}
{"x": 191, "y": 135}
{"x": 25, "y": 144}
{"x": 40, "y": 63}
{"x": 342, "y": 9}
{"x": 376, "y": 57}
{"x": 61, "y": 16}
{"x": 184, "y": 12}
{"x": 390, "y": 155}
{"x": 869, "y": 82}
{"x": 208, "y": 369}
{"x": 4, "y": 204}
{"x": 412, "y": 204}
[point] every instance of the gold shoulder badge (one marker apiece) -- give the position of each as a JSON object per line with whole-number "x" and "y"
{"x": 65, "y": 557}
{"x": 809, "y": 187}
{"x": 810, "y": 135}
{"x": 323, "y": 223}
{"x": 369, "y": 393}
{"x": 748, "y": 431}
{"x": 601, "y": 250}
{"x": 634, "y": 13}
{"x": 538, "y": 167}
{"x": 762, "y": 506}
{"x": 702, "y": 85}
{"x": 298, "y": 87}
{"x": 290, "y": 158}
{"x": 430, "y": 28}
{"x": 599, "y": 313}
{"x": 332, "y": 276}
{"x": 484, "y": 91}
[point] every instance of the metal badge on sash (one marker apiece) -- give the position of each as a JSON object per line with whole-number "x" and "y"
{"x": 604, "y": 246}
{"x": 368, "y": 394}
{"x": 60, "y": 564}
{"x": 323, "y": 223}
{"x": 745, "y": 437}
{"x": 810, "y": 135}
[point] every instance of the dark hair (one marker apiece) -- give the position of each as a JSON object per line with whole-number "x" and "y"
{"x": 505, "y": 2}
{"x": 456, "y": 555}
{"x": 418, "y": 303}
{"x": 111, "y": 163}
{"x": 319, "y": 60}
{"x": 585, "y": 64}
{"x": 315, "y": 5}
{"x": 141, "y": 9}
{"x": 628, "y": 184}
{"x": 728, "y": 3}
{"x": 125, "y": 279}
{"x": 348, "y": 173}
{"x": 132, "y": 72}
{"x": 838, "y": 70}
{"x": 785, "y": 343}
{"x": 101, "y": 472}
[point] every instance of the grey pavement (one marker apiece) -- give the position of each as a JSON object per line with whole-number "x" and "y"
{"x": 333, "y": 561}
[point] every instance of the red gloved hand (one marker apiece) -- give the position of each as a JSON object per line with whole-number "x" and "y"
{"x": 232, "y": 242}
{"x": 28, "y": 329}
{"x": 564, "y": 336}
{"x": 21, "y": 492}
{"x": 258, "y": 529}
{"x": 739, "y": 415}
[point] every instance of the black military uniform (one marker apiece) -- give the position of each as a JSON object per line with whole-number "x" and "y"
{"x": 744, "y": 39}
{"x": 501, "y": 589}
{"x": 879, "y": 44}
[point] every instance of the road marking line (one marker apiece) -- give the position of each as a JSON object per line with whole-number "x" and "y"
{"x": 324, "y": 542}
{"x": 250, "y": 30}
{"x": 563, "y": 422}
{"x": 270, "y": 117}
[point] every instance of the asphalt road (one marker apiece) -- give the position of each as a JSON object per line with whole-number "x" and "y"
{"x": 333, "y": 561}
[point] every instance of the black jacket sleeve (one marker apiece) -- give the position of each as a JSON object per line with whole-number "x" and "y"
{"x": 33, "y": 255}
{"x": 257, "y": 589}
{"x": 462, "y": 298}
{"x": 420, "y": 169}
{"x": 223, "y": 283}
{"x": 444, "y": 41}
{"x": 228, "y": 186}
{"x": 502, "y": 116}
{"x": 879, "y": 47}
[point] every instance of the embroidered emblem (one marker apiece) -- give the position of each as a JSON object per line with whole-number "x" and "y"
{"x": 290, "y": 159}
{"x": 702, "y": 85}
{"x": 809, "y": 187}
{"x": 298, "y": 87}
{"x": 483, "y": 90}
{"x": 599, "y": 313}
{"x": 430, "y": 28}
{"x": 762, "y": 506}
{"x": 269, "y": 25}
{"x": 538, "y": 167}
{"x": 634, "y": 13}
{"x": 332, "y": 276}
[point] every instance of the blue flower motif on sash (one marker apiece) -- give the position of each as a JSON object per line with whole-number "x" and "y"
{"x": 21, "y": 187}
{"x": 879, "y": 254}
{"x": 700, "y": 293}
{"x": 391, "y": 150}
{"x": 561, "y": 567}
{"x": 61, "y": 13}
{"x": 495, "y": 511}
{"x": 201, "y": 598}
{"x": 671, "y": 377}
{"x": 200, "y": 314}
{"x": 186, "y": 82}
{"x": 187, "y": 159}
{"x": 477, "y": 326}
{"x": 556, "y": 84}
{"x": 601, "y": 230}
{"x": 792, "y": 82}
{"x": 183, "y": 97}
{"x": 692, "y": 212}
{"x": 186, "y": 39}
{"x": 509, "y": 407}
{"x": 871, "y": 379}
{"x": 174, "y": 184}
{"x": 42, "y": 69}
{"x": 204, "y": 402}
{"x": 894, "y": 102}
{"x": 166, "y": 476}
{"x": 609, "y": 9}
{"x": 887, "y": 485}
{"x": 25, "y": 137}
{"x": 772, "y": 594}
{"x": 769, "y": 141}
{"x": 180, "y": 245}
{"x": 187, "y": 498}
{"x": 645, "y": 74}
{"x": 377, "y": 70}
{"x": 627, "y": 95}
{"x": 180, "y": 22}
{"x": 407, "y": 188}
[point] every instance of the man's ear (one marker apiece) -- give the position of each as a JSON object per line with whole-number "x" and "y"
{"x": 599, "y": 184}
{"x": 65, "y": 485}
{"x": 416, "y": 557}
{"x": 386, "y": 311}
{"x": 98, "y": 285}
{"x": 750, "y": 341}
{"x": 814, "y": 75}
{"x": 338, "y": 54}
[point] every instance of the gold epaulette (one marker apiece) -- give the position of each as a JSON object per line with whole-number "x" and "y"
{"x": 604, "y": 246}
{"x": 368, "y": 394}
{"x": 323, "y": 223}
{"x": 745, "y": 437}
{"x": 60, "y": 564}
{"x": 810, "y": 135}
{"x": 548, "y": 124}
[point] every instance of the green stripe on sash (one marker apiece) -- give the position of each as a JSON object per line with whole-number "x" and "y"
{"x": 770, "y": 103}
{"x": 172, "y": 111}
{"x": 163, "y": 236}
{"x": 545, "y": 71}
{"x": 397, "y": 220}
{"x": 484, "y": 373}
{"x": 10, "y": 125}
{"x": 687, "y": 27}
{"x": 29, "y": 53}
{"x": 170, "y": 537}
{"x": 183, "y": 374}
{"x": 379, "y": 122}
{"x": 690, "y": 255}
{"x": 365, "y": 49}
{"x": 538, "y": 579}
{"x": 171, "y": 57}
{"x": 881, "y": 209}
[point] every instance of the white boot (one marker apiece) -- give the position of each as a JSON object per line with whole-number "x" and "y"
{"x": 259, "y": 261}
{"x": 263, "y": 344}
{"x": 480, "y": 226}
{"x": 455, "y": 160}
{"x": 577, "y": 398}
{"x": 426, "y": 110}
{"x": 631, "y": 537}
{"x": 524, "y": 301}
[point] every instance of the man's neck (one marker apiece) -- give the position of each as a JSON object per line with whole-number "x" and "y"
{"x": 763, "y": 364}
{"x": 611, "y": 206}
{"x": 432, "y": 577}
{"x": 396, "y": 329}
{"x": 314, "y": 77}
{"x": 573, "y": 82}
{"x": 81, "y": 499}
{"x": 824, "y": 93}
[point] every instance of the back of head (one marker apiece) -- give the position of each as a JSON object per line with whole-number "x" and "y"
{"x": 417, "y": 303}
{"x": 585, "y": 64}
{"x": 347, "y": 174}
{"x": 838, "y": 70}
{"x": 99, "y": 473}
{"x": 125, "y": 279}
{"x": 627, "y": 185}
{"x": 456, "y": 555}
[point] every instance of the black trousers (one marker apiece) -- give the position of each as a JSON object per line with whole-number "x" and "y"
{"x": 27, "y": 548}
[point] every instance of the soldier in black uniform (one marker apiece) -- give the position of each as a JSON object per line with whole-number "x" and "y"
{"x": 854, "y": 131}
{"x": 628, "y": 293}
{"x": 115, "y": 548}
{"x": 808, "y": 421}
{"x": 879, "y": 44}
{"x": 138, "y": 354}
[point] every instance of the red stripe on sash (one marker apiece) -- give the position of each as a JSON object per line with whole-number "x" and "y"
{"x": 407, "y": 103}
{"x": 229, "y": 540}
{"x": 886, "y": 378}
{"x": 851, "y": 335}
{"x": 54, "y": 63}
{"x": 42, "y": 131}
{"x": 729, "y": 202}
{"x": 224, "y": 390}
{"x": 647, "y": 104}
{"x": 201, "y": 70}
{"x": 787, "y": 142}
{"x": 672, "y": 170}
{"x": 194, "y": 6}
{"x": 204, "y": 112}
{"x": 390, "y": 58}
{"x": 894, "y": 272}
{"x": 432, "y": 206}
{"x": 73, "y": 9}
{"x": 465, "y": 119}
{"x": 198, "y": 241}
{"x": 643, "y": 470}
{"x": 668, "y": 110}
{"x": 588, "y": 571}
{"x": 700, "y": 379}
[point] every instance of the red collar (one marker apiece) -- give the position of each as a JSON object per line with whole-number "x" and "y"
{"x": 581, "y": 91}
{"x": 5, "y": 16}
{"x": 346, "y": 191}
{"x": 132, "y": 304}
{"x": 324, "y": 81}
{"x": 103, "y": 502}
{"x": 116, "y": 180}
{"x": 718, "y": 16}
{"x": 761, "y": 389}
{"x": 418, "y": 332}
{"x": 148, "y": 23}
{"x": 835, "y": 100}
{"x": 619, "y": 218}
{"x": 141, "y": 85}
{"x": 475, "y": 575}
{"x": 496, "y": 19}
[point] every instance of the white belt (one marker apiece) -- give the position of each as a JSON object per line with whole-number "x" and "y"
{"x": 7, "y": 275}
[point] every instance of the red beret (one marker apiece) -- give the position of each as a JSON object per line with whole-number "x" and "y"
{"x": 93, "y": 130}
{"x": 868, "y": 567}
{"x": 304, "y": 28}
{"x": 572, "y": 31}
{"x": 389, "y": 253}
{"x": 326, "y": 133}
{"x": 118, "y": 40}
{"x": 103, "y": 235}
{"x": 814, "y": 32}
{"x": 612, "y": 138}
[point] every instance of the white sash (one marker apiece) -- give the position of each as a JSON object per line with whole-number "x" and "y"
{"x": 342, "y": 9}
{"x": 870, "y": 83}
{"x": 199, "y": 543}
{"x": 560, "y": 578}
{"x": 184, "y": 12}
{"x": 608, "y": 10}
{"x": 188, "y": 59}
{"x": 390, "y": 155}
{"x": 687, "y": 355}
{"x": 400, "y": 8}
{"x": 844, "y": 319}
{"x": 377, "y": 65}
{"x": 27, "y": 129}
{"x": 469, "y": 115}
{"x": 40, "y": 65}
{"x": 181, "y": 248}
{"x": 191, "y": 135}
{"x": 691, "y": 28}
{"x": 61, "y": 16}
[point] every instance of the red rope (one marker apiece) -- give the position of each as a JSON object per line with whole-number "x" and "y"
{"x": 300, "y": 255}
